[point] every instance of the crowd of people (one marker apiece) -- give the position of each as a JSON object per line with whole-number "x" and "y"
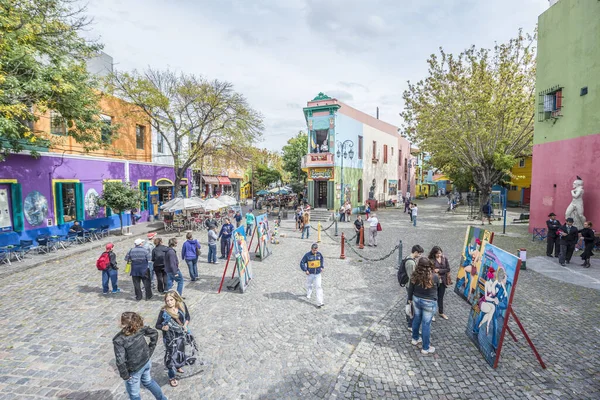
{"x": 562, "y": 240}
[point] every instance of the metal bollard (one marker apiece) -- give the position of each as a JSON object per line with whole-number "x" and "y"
{"x": 336, "y": 227}
{"x": 361, "y": 242}
{"x": 319, "y": 232}
{"x": 399, "y": 253}
{"x": 343, "y": 256}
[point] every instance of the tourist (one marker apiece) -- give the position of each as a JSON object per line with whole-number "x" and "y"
{"x": 312, "y": 264}
{"x": 76, "y": 228}
{"x": 139, "y": 258}
{"x": 373, "y": 221}
{"x": 190, "y": 251}
{"x": 367, "y": 210}
{"x": 133, "y": 353}
{"x": 173, "y": 320}
{"x": 348, "y": 209}
{"x": 110, "y": 272}
{"x": 553, "y": 240}
{"x": 422, "y": 292}
{"x": 212, "y": 244}
{"x": 342, "y": 213}
{"x": 299, "y": 215}
{"x": 238, "y": 219}
{"x": 172, "y": 267}
{"x": 589, "y": 236}
{"x": 210, "y": 221}
{"x": 441, "y": 267}
{"x": 149, "y": 245}
{"x": 414, "y": 212}
{"x": 358, "y": 225}
{"x": 568, "y": 239}
{"x": 410, "y": 266}
{"x": 407, "y": 205}
{"x": 306, "y": 224}
{"x": 158, "y": 258}
{"x": 486, "y": 213}
{"x": 249, "y": 223}
{"x": 225, "y": 237}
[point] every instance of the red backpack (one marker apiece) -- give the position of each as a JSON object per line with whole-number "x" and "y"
{"x": 103, "y": 261}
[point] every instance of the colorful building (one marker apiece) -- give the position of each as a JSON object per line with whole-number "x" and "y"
{"x": 519, "y": 192}
{"x": 371, "y": 152}
{"x": 567, "y": 128}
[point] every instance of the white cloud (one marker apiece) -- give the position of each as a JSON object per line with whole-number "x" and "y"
{"x": 282, "y": 53}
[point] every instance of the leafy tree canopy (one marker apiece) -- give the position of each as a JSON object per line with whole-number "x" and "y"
{"x": 293, "y": 151}
{"x": 120, "y": 197}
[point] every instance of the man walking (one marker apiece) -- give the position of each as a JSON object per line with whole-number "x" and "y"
{"x": 553, "y": 240}
{"x": 225, "y": 237}
{"x": 415, "y": 212}
{"x": 139, "y": 258}
{"x": 249, "y": 223}
{"x": 172, "y": 267}
{"x": 358, "y": 225}
{"x": 410, "y": 264}
{"x": 238, "y": 219}
{"x": 568, "y": 240}
{"x": 312, "y": 264}
{"x": 306, "y": 224}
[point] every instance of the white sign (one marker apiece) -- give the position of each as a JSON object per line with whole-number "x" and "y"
{"x": 5, "y": 221}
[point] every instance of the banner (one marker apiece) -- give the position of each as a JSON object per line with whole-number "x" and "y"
{"x": 242, "y": 257}
{"x": 263, "y": 237}
{"x": 470, "y": 261}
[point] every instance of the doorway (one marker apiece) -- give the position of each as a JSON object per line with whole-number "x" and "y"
{"x": 321, "y": 194}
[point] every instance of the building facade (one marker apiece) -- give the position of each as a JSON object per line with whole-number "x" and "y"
{"x": 519, "y": 191}
{"x": 567, "y": 128}
{"x": 352, "y": 156}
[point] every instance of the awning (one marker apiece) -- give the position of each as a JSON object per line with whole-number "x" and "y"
{"x": 440, "y": 177}
{"x": 223, "y": 180}
{"x": 211, "y": 180}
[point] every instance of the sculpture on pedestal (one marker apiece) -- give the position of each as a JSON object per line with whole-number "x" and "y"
{"x": 372, "y": 191}
{"x": 575, "y": 209}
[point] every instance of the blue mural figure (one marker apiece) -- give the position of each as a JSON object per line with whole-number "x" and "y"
{"x": 471, "y": 252}
{"x": 487, "y": 302}
{"x": 499, "y": 313}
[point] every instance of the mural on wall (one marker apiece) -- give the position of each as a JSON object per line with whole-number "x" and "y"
{"x": 91, "y": 202}
{"x": 35, "y": 208}
{"x": 5, "y": 222}
{"x": 470, "y": 261}
{"x": 488, "y": 318}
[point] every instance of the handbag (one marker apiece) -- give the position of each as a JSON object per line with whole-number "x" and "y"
{"x": 409, "y": 309}
{"x": 379, "y": 227}
{"x": 128, "y": 268}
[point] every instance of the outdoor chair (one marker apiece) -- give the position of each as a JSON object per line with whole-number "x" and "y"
{"x": 45, "y": 244}
{"x": 539, "y": 233}
{"x": 25, "y": 246}
{"x": 104, "y": 231}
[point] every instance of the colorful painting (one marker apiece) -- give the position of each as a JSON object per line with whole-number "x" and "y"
{"x": 91, "y": 202}
{"x": 5, "y": 221}
{"x": 470, "y": 261}
{"x": 242, "y": 257}
{"x": 488, "y": 319}
{"x": 35, "y": 208}
{"x": 263, "y": 236}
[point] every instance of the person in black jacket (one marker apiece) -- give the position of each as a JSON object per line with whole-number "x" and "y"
{"x": 553, "y": 226}
{"x": 568, "y": 239}
{"x": 158, "y": 257}
{"x": 172, "y": 267}
{"x": 110, "y": 273}
{"x": 589, "y": 236}
{"x": 133, "y": 353}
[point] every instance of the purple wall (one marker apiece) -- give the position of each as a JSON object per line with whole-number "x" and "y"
{"x": 37, "y": 174}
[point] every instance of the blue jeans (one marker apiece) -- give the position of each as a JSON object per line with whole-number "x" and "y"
{"x": 414, "y": 218}
{"x": 306, "y": 230}
{"x": 424, "y": 311}
{"x": 151, "y": 268}
{"x": 111, "y": 274}
{"x": 179, "y": 279}
{"x": 249, "y": 229}
{"x": 143, "y": 377}
{"x": 193, "y": 267}
{"x": 212, "y": 253}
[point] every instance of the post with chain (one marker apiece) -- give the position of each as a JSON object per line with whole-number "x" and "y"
{"x": 319, "y": 232}
{"x": 336, "y": 227}
{"x": 343, "y": 256}
{"x": 400, "y": 253}
{"x": 361, "y": 242}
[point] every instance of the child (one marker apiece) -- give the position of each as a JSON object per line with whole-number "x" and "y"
{"x": 110, "y": 273}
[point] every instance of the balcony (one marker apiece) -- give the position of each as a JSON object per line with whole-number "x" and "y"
{"x": 315, "y": 160}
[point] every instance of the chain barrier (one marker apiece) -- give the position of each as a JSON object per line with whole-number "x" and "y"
{"x": 323, "y": 229}
{"x": 373, "y": 259}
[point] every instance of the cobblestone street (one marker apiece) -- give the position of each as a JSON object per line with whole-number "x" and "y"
{"x": 272, "y": 343}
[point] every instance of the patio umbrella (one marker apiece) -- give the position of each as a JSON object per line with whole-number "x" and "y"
{"x": 227, "y": 200}
{"x": 213, "y": 205}
{"x": 182, "y": 203}
{"x": 262, "y": 192}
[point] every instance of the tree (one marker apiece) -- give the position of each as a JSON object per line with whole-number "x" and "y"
{"x": 475, "y": 111}
{"x": 293, "y": 151}
{"x": 42, "y": 67}
{"x": 266, "y": 175}
{"x": 120, "y": 197}
{"x": 195, "y": 117}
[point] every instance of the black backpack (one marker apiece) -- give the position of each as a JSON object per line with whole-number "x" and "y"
{"x": 402, "y": 274}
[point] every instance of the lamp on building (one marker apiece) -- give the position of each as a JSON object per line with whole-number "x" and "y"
{"x": 346, "y": 153}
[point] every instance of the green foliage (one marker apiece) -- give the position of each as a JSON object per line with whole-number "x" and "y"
{"x": 297, "y": 187}
{"x": 293, "y": 151}
{"x": 120, "y": 197}
{"x": 42, "y": 67}
{"x": 264, "y": 175}
{"x": 474, "y": 113}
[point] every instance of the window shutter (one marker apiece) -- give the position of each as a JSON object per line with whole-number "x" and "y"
{"x": 558, "y": 100}
{"x": 16, "y": 193}
{"x": 79, "y": 202}
{"x": 58, "y": 212}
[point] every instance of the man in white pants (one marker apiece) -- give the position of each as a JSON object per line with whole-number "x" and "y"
{"x": 312, "y": 264}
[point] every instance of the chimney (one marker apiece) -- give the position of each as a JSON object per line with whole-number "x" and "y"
{"x": 377, "y": 112}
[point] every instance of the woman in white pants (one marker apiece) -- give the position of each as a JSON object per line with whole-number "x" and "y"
{"x": 373, "y": 221}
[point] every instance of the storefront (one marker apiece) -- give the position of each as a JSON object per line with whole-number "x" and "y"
{"x": 321, "y": 187}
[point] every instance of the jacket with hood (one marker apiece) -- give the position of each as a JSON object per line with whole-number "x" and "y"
{"x": 132, "y": 352}
{"x": 189, "y": 250}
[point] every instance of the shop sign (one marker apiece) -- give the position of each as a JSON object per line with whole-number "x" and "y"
{"x": 321, "y": 174}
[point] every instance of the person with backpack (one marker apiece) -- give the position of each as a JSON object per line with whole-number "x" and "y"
{"x": 409, "y": 263}
{"x": 441, "y": 267}
{"x": 189, "y": 253}
{"x": 422, "y": 293}
{"x": 158, "y": 258}
{"x": 107, "y": 263}
{"x": 133, "y": 354}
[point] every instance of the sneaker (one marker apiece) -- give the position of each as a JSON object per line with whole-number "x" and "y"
{"x": 431, "y": 350}
{"x": 415, "y": 342}
{"x": 410, "y": 328}
{"x": 433, "y": 319}
{"x": 320, "y": 305}
{"x": 444, "y": 316}
{"x": 116, "y": 291}
{"x": 104, "y": 292}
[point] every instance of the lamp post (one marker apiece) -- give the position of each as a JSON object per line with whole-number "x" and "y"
{"x": 343, "y": 153}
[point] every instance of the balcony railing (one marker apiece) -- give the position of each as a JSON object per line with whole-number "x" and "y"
{"x": 313, "y": 160}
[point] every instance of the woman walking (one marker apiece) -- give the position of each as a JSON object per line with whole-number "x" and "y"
{"x": 190, "y": 252}
{"x": 212, "y": 244}
{"x": 158, "y": 257}
{"x": 132, "y": 354}
{"x": 173, "y": 320}
{"x": 588, "y": 235}
{"x": 441, "y": 267}
{"x": 373, "y": 221}
{"x": 422, "y": 292}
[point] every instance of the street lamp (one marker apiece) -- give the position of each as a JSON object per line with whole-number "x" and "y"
{"x": 344, "y": 150}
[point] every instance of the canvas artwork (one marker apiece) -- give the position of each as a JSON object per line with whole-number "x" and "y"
{"x": 496, "y": 281}
{"x": 35, "y": 208}
{"x": 5, "y": 221}
{"x": 470, "y": 261}
{"x": 263, "y": 236}
{"x": 242, "y": 257}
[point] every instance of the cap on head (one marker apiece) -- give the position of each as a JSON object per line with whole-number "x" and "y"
{"x": 109, "y": 246}
{"x": 138, "y": 241}
{"x": 551, "y": 215}
{"x": 570, "y": 220}
{"x": 151, "y": 235}
{"x": 314, "y": 246}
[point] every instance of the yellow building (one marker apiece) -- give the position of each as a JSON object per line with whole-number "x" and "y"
{"x": 520, "y": 185}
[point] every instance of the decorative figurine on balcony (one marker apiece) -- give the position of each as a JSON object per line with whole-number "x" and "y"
{"x": 324, "y": 147}
{"x": 575, "y": 209}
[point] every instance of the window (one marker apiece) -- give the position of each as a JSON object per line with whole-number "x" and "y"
{"x": 385, "y": 185}
{"x": 160, "y": 144}
{"x": 514, "y": 188}
{"x": 392, "y": 152}
{"x": 57, "y": 124}
{"x": 385, "y": 153}
{"x": 140, "y": 134}
{"x": 360, "y": 148}
{"x": 360, "y": 185}
{"x": 144, "y": 190}
{"x": 405, "y": 169}
{"x": 321, "y": 140}
{"x": 69, "y": 202}
{"x": 374, "y": 150}
{"x": 550, "y": 104}
{"x": 105, "y": 132}
{"x": 399, "y": 158}
{"x": 522, "y": 163}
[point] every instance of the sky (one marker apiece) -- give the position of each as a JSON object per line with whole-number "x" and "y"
{"x": 281, "y": 53}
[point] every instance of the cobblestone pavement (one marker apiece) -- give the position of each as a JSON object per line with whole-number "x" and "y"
{"x": 271, "y": 343}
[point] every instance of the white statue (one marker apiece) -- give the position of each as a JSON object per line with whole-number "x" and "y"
{"x": 575, "y": 209}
